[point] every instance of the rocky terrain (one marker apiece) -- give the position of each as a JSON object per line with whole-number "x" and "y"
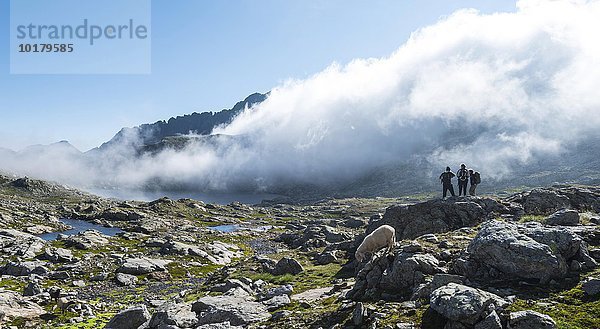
{"x": 528, "y": 260}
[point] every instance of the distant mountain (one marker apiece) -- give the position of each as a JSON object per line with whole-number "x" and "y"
{"x": 62, "y": 147}
{"x": 195, "y": 123}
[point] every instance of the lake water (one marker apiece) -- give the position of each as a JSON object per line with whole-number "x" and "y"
{"x": 234, "y": 228}
{"x": 80, "y": 226}
{"x": 217, "y": 198}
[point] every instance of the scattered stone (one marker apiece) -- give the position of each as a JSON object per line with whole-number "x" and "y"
{"x": 591, "y": 286}
{"x": 13, "y": 305}
{"x": 126, "y": 279}
{"x": 359, "y": 314}
{"x": 239, "y": 312}
{"x": 491, "y": 321}
{"x": 17, "y": 243}
{"x": 89, "y": 239}
{"x": 32, "y": 289}
{"x": 530, "y": 320}
{"x": 137, "y": 266}
{"x": 24, "y": 268}
{"x": 57, "y": 255}
{"x": 564, "y": 217}
{"x": 287, "y": 266}
{"x": 133, "y": 317}
{"x": 276, "y": 302}
{"x": 326, "y": 257}
{"x": 176, "y": 315}
{"x": 464, "y": 304}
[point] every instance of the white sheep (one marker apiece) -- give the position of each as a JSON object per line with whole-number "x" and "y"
{"x": 383, "y": 236}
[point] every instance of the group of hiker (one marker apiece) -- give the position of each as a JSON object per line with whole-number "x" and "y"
{"x": 465, "y": 176}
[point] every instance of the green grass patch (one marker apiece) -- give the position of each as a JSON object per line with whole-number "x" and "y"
{"x": 571, "y": 309}
{"x": 532, "y": 218}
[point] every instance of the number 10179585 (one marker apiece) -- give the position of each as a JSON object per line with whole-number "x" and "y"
{"x": 46, "y": 48}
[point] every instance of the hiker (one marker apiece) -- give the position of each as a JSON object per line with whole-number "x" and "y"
{"x": 475, "y": 178}
{"x": 446, "y": 180}
{"x": 463, "y": 179}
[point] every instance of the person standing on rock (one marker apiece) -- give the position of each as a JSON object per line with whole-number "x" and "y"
{"x": 475, "y": 179}
{"x": 463, "y": 180}
{"x": 446, "y": 180}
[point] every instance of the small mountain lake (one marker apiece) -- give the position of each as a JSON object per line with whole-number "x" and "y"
{"x": 78, "y": 226}
{"x": 234, "y": 228}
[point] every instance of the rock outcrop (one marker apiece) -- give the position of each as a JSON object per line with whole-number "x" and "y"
{"x": 438, "y": 216}
{"x": 530, "y": 251}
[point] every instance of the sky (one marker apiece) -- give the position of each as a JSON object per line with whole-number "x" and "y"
{"x": 206, "y": 56}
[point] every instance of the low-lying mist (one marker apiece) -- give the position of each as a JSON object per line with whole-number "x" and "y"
{"x": 494, "y": 91}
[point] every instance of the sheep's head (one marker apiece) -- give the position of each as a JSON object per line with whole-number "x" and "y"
{"x": 360, "y": 257}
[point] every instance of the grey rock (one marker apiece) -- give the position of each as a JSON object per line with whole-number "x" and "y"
{"x": 280, "y": 315}
{"x": 326, "y": 257}
{"x": 222, "y": 325}
{"x": 393, "y": 276}
{"x": 276, "y": 302}
{"x": 32, "y": 289}
{"x": 286, "y": 289}
{"x": 89, "y": 239}
{"x": 354, "y": 222}
{"x": 17, "y": 243}
{"x": 126, "y": 279}
{"x": 464, "y": 304}
{"x": 564, "y": 217}
{"x": 359, "y": 314}
{"x": 24, "y": 268}
{"x": 137, "y": 266}
{"x": 591, "y": 286}
{"x": 178, "y": 315}
{"x": 438, "y": 280}
{"x": 57, "y": 255}
{"x": 287, "y": 266}
{"x": 131, "y": 318}
{"x": 239, "y": 312}
{"x": 530, "y": 320}
{"x": 13, "y": 305}
{"x": 491, "y": 321}
{"x": 505, "y": 250}
{"x": 230, "y": 284}
{"x": 438, "y": 216}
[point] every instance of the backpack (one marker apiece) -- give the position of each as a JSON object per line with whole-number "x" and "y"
{"x": 477, "y": 177}
{"x": 463, "y": 174}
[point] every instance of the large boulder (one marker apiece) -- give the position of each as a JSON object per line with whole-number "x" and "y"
{"x": 314, "y": 236}
{"x": 390, "y": 277}
{"x": 438, "y": 216}
{"x": 530, "y": 251}
{"x": 57, "y": 255}
{"x": 17, "y": 243}
{"x": 177, "y": 315}
{"x": 564, "y": 217}
{"x": 131, "y": 318}
{"x": 13, "y": 305}
{"x": 287, "y": 266}
{"x": 545, "y": 201}
{"x": 463, "y": 304}
{"x": 138, "y": 266}
{"x": 238, "y": 311}
{"x": 24, "y": 268}
{"x": 530, "y": 320}
{"x": 90, "y": 239}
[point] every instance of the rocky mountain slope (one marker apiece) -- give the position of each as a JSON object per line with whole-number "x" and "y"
{"x": 196, "y": 123}
{"x": 529, "y": 260}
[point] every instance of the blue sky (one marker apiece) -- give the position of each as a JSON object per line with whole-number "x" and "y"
{"x": 207, "y": 55}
